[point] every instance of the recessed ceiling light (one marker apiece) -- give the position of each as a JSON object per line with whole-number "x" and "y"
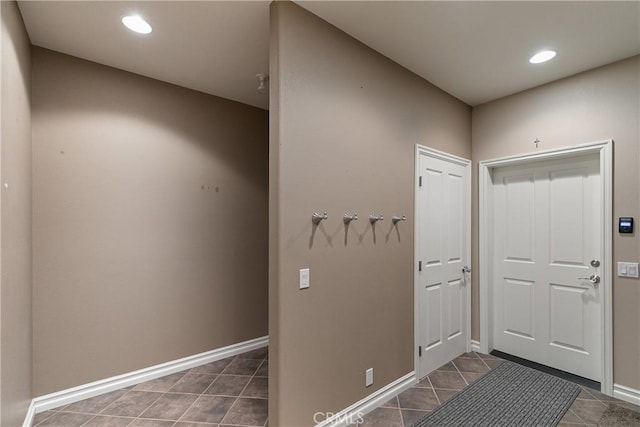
{"x": 543, "y": 56}
{"x": 137, "y": 24}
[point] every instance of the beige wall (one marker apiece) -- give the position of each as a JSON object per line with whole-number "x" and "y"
{"x": 149, "y": 218}
{"x": 596, "y": 105}
{"x": 15, "y": 214}
{"x": 344, "y": 124}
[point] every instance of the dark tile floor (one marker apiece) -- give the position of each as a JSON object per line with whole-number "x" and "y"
{"x": 234, "y": 392}
{"x": 438, "y": 387}
{"x": 229, "y": 392}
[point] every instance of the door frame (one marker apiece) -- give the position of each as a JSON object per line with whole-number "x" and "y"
{"x": 441, "y": 155}
{"x": 604, "y": 149}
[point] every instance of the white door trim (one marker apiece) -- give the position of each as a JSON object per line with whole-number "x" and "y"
{"x": 485, "y": 204}
{"x": 423, "y": 150}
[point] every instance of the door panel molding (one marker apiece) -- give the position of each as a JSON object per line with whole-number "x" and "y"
{"x": 466, "y": 217}
{"x": 604, "y": 149}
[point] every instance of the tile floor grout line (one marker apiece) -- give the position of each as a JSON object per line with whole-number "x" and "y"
{"x": 198, "y": 423}
{"x": 237, "y": 397}
{"x": 463, "y": 356}
{"x": 586, "y": 389}
{"x": 198, "y": 373}
{"x": 127, "y": 392}
{"x": 242, "y": 391}
{"x": 450, "y": 389}
{"x": 577, "y": 416}
{"x": 486, "y": 364}
{"x": 204, "y": 391}
{"x": 460, "y": 372}
{"x": 196, "y": 399}
{"x": 90, "y": 419}
{"x": 217, "y": 375}
{"x": 574, "y": 413}
{"x": 260, "y": 367}
{"x": 79, "y": 413}
{"x": 186, "y": 393}
{"x": 434, "y": 391}
{"x": 401, "y": 417}
{"x": 143, "y": 411}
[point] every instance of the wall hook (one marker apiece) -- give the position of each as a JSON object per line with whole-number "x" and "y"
{"x": 317, "y": 217}
{"x": 396, "y": 219}
{"x": 348, "y": 218}
{"x": 373, "y": 218}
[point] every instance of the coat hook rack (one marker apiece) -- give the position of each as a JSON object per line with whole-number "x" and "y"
{"x": 348, "y": 218}
{"x": 396, "y": 219}
{"x": 317, "y": 217}
{"x": 373, "y": 218}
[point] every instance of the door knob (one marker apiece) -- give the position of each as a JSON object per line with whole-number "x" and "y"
{"x": 595, "y": 263}
{"x": 466, "y": 269}
{"x": 594, "y": 279}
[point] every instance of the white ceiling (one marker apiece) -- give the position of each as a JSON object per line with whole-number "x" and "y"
{"x": 477, "y": 51}
{"x": 215, "y": 47}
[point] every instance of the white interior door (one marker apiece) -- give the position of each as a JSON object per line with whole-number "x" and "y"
{"x": 443, "y": 249}
{"x": 547, "y": 245}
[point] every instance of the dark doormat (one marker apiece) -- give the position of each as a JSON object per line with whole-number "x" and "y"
{"x": 619, "y": 416}
{"x": 510, "y": 395}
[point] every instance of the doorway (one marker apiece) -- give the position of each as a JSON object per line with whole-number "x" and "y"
{"x": 443, "y": 253}
{"x": 545, "y": 259}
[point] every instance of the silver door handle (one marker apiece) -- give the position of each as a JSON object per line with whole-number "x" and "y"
{"x": 594, "y": 279}
{"x": 466, "y": 269}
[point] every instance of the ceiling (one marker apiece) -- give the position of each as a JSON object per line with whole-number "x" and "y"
{"x": 215, "y": 47}
{"x": 477, "y": 51}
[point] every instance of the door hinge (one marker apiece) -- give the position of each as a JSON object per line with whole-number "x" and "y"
{"x": 419, "y": 351}
{"x": 420, "y": 182}
{"x": 419, "y": 265}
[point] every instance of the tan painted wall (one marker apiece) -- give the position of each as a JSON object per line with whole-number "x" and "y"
{"x": 150, "y": 222}
{"x": 15, "y": 219}
{"x": 596, "y": 105}
{"x": 344, "y": 124}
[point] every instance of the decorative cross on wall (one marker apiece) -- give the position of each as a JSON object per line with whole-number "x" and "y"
{"x": 537, "y": 141}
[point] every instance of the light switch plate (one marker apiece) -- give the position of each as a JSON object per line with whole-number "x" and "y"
{"x": 304, "y": 278}
{"x": 368, "y": 377}
{"x": 628, "y": 269}
{"x": 622, "y": 269}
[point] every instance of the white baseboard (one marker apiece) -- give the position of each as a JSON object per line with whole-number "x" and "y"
{"x": 627, "y": 394}
{"x": 475, "y": 346}
{"x": 352, "y": 414}
{"x": 85, "y": 391}
{"x": 31, "y": 412}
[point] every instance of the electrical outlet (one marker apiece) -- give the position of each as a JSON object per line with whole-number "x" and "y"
{"x": 304, "y": 278}
{"x": 368, "y": 377}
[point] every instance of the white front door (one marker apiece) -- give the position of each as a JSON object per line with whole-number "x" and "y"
{"x": 547, "y": 229}
{"x": 443, "y": 249}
